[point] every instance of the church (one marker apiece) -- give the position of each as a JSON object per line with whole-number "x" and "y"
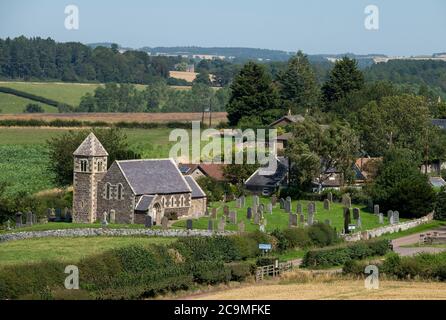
{"x": 131, "y": 189}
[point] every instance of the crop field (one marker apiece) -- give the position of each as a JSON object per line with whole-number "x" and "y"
{"x": 12, "y": 104}
{"x": 279, "y": 219}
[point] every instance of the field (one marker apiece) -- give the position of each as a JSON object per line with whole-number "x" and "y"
{"x": 279, "y": 219}
{"x": 12, "y": 104}
{"x": 66, "y": 249}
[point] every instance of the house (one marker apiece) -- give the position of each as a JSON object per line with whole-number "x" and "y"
{"x": 212, "y": 170}
{"x": 266, "y": 184}
{"x": 132, "y": 189}
{"x": 282, "y": 141}
{"x": 365, "y": 169}
{"x": 286, "y": 120}
{"x": 330, "y": 179}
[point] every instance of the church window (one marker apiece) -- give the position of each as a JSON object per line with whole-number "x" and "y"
{"x": 84, "y": 164}
{"x": 107, "y": 191}
{"x": 120, "y": 196}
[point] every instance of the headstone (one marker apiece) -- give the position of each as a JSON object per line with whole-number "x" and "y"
{"x": 221, "y": 225}
{"x": 390, "y": 216}
{"x": 301, "y": 218}
{"x": 347, "y": 220}
{"x": 282, "y": 203}
{"x": 269, "y": 208}
{"x": 18, "y": 219}
{"x": 330, "y": 197}
{"x": 242, "y": 201}
{"x": 58, "y": 214}
{"x": 356, "y": 213}
{"x": 346, "y": 201}
{"x": 274, "y": 200}
{"x": 210, "y": 225}
{"x": 396, "y": 217}
{"x": 310, "y": 207}
{"x": 8, "y": 225}
{"x": 148, "y": 221}
{"x": 326, "y": 204}
{"x": 249, "y": 213}
{"x": 262, "y": 228}
{"x": 376, "y": 209}
{"x": 256, "y": 218}
{"x": 112, "y": 216}
{"x": 288, "y": 205}
{"x": 29, "y": 218}
{"x": 241, "y": 227}
{"x": 299, "y": 208}
{"x": 189, "y": 224}
{"x": 34, "y": 218}
{"x": 226, "y": 211}
{"x": 314, "y": 207}
{"x": 310, "y": 219}
{"x": 255, "y": 209}
{"x": 104, "y": 221}
{"x": 237, "y": 203}
{"x": 165, "y": 223}
{"x": 233, "y": 217}
{"x": 261, "y": 208}
{"x": 380, "y": 218}
{"x": 214, "y": 213}
{"x": 359, "y": 223}
{"x": 293, "y": 220}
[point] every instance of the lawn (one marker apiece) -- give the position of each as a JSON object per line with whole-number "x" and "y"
{"x": 67, "y": 225}
{"x": 67, "y": 249}
{"x": 12, "y": 104}
{"x": 279, "y": 219}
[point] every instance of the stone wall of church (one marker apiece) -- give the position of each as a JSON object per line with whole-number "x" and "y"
{"x": 198, "y": 207}
{"x": 175, "y": 203}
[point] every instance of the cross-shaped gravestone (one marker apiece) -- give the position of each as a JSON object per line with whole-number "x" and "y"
{"x": 148, "y": 221}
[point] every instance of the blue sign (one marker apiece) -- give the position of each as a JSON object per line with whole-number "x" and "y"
{"x": 264, "y": 246}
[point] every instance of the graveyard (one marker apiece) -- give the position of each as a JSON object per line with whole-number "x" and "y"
{"x": 275, "y": 217}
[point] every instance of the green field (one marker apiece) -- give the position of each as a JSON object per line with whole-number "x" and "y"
{"x": 279, "y": 219}
{"x": 67, "y": 249}
{"x": 12, "y": 104}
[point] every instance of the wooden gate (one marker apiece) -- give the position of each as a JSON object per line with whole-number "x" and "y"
{"x": 272, "y": 270}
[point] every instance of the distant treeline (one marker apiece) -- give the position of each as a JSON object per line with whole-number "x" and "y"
{"x": 44, "y": 59}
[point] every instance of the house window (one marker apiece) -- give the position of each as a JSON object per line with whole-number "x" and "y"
{"x": 107, "y": 191}
{"x": 84, "y": 164}
{"x": 120, "y": 197}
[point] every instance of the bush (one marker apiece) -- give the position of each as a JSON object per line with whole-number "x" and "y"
{"x": 266, "y": 260}
{"x": 440, "y": 205}
{"x": 336, "y": 256}
{"x": 240, "y": 270}
{"x": 33, "y": 108}
{"x": 171, "y": 215}
{"x": 322, "y": 235}
{"x": 210, "y": 272}
{"x": 245, "y": 247}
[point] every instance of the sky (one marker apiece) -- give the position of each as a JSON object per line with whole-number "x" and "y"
{"x": 406, "y": 27}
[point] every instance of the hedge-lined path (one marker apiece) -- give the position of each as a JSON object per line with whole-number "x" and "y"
{"x": 400, "y": 245}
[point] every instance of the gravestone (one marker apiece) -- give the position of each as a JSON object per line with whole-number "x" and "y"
{"x": 302, "y": 218}
{"x": 396, "y": 217}
{"x": 148, "y": 221}
{"x": 256, "y": 218}
{"x": 241, "y": 227}
{"x": 18, "y": 219}
{"x": 389, "y": 214}
{"x": 261, "y": 209}
{"x": 269, "y": 207}
{"x": 376, "y": 209}
{"x": 29, "y": 218}
{"x": 210, "y": 225}
{"x": 189, "y": 224}
{"x": 8, "y": 225}
{"x": 249, "y": 213}
{"x": 104, "y": 221}
{"x": 288, "y": 205}
{"x": 293, "y": 220}
{"x": 380, "y": 218}
{"x": 326, "y": 204}
{"x": 112, "y": 216}
{"x": 356, "y": 213}
{"x": 346, "y": 201}
{"x": 226, "y": 211}
{"x": 310, "y": 207}
{"x": 221, "y": 225}
{"x": 359, "y": 223}
{"x": 243, "y": 199}
{"x": 237, "y": 203}
{"x": 214, "y": 213}
{"x": 58, "y": 214}
{"x": 282, "y": 203}
{"x": 310, "y": 219}
{"x": 262, "y": 228}
{"x": 34, "y": 218}
{"x": 299, "y": 208}
{"x": 165, "y": 223}
{"x": 274, "y": 200}
{"x": 233, "y": 217}
{"x": 347, "y": 220}
{"x": 330, "y": 197}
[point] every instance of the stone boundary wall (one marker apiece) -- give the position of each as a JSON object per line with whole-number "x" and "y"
{"x": 93, "y": 232}
{"x": 373, "y": 233}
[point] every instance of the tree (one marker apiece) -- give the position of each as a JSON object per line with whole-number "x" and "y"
{"x": 203, "y": 78}
{"x": 33, "y": 108}
{"x": 344, "y": 78}
{"x": 440, "y": 205}
{"x": 252, "y": 93}
{"x": 61, "y": 150}
{"x": 400, "y": 185}
{"x": 298, "y": 85}
{"x": 315, "y": 149}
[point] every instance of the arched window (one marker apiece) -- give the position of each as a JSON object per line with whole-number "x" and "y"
{"x": 107, "y": 191}
{"x": 120, "y": 197}
{"x": 182, "y": 200}
{"x": 84, "y": 164}
{"x": 163, "y": 201}
{"x": 99, "y": 166}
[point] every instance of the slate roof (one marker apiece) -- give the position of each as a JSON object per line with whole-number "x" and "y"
{"x": 197, "y": 192}
{"x": 273, "y": 180}
{"x": 289, "y": 119}
{"x": 157, "y": 176}
{"x": 213, "y": 170}
{"x": 91, "y": 146}
{"x": 144, "y": 203}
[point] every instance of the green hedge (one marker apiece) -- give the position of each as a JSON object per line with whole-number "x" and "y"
{"x": 337, "y": 256}
{"x": 34, "y": 97}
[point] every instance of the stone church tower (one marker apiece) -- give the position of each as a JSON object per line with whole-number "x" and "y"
{"x": 90, "y": 166}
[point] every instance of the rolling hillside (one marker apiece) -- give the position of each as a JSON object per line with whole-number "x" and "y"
{"x": 12, "y": 104}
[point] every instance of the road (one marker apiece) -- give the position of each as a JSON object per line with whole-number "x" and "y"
{"x": 400, "y": 245}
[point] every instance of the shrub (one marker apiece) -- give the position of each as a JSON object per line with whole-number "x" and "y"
{"x": 322, "y": 235}
{"x": 245, "y": 247}
{"x": 33, "y": 108}
{"x": 240, "y": 270}
{"x": 210, "y": 272}
{"x": 266, "y": 260}
{"x": 171, "y": 215}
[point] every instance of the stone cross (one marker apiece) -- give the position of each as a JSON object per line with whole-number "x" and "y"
{"x": 241, "y": 227}
{"x": 165, "y": 223}
{"x": 147, "y": 221}
{"x": 104, "y": 219}
{"x": 249, "y": 213}
{"x": 189, "y": 224}
{"x": 376, "y": 209}
{"x": 233, "y": 217}
{"x": 326, "y": 204}
{"x": 356, "y": 213}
